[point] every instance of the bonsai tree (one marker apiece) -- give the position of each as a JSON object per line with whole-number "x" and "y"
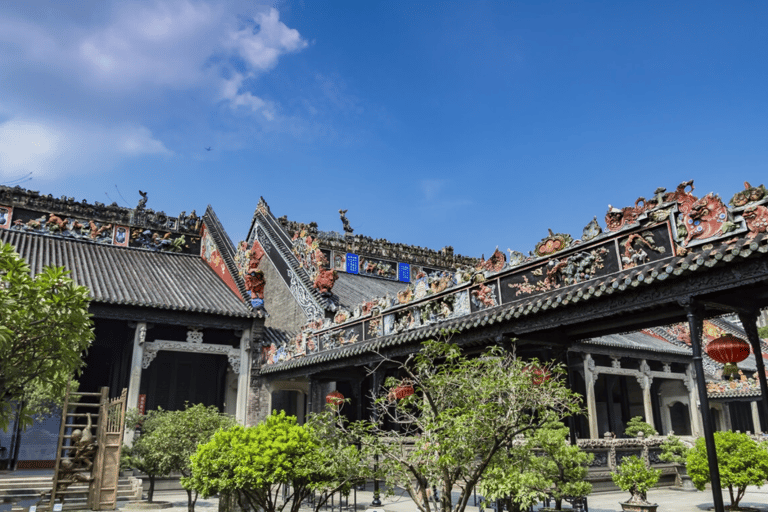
{"x": 563, "y": 465}
{"x": 634, "y": 475}
{"x": 741, "y": 460}
{"x": 637, "y": 425}
{"x": 674, "y": 450}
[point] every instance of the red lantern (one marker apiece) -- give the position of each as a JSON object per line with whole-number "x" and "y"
{"x": 728, "y": 350}
{"x": 402, "y": 391}
{"x": 334, "y": 398}
{"x": 538, "y": 375}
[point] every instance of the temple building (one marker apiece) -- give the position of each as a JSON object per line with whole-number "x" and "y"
{"x": 291, "y": 314}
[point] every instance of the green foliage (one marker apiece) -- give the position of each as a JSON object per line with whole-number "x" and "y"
{"x": 169, "y": 438}
{"x": 634, "y": 475}
{"x": 466, "y": 411}
{"x": 673, "y": 450}
{"x": 44, "y": 329}
{"x": 763, "y": 332}
{"x": 637, "y": 425}
{"x": 257, "y": 463}
{"x": 544, "y": 464}
{"x": 741, "y": 461}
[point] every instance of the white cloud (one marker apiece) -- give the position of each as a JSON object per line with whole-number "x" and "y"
{"x": 261, "y": 46}
{"x": 49, "y": 150}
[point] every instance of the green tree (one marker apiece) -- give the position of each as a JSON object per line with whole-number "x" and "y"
{"x": 563, "y": 465}
{"x": 44, "y": 329}
{"x": 146, "y": 453}
{"x": 257, "y": 463}
{"x": 542, "y": 465}
{"x": 740, "y": 459}
{"x": 465, "y": 412}
{"x": 637, "y": 425}
{"x": 634, "y": 475}
{"x": 178, "y": 435}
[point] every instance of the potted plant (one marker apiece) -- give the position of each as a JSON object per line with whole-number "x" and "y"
{"x": 675, "y": 451}
{"x": 634, "y": 476}
{"x": 637, "y": 425}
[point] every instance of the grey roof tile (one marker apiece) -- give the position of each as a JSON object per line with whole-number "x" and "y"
{"x": 136, "y": 277}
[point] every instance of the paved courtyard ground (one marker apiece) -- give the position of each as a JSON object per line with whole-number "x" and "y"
{"x": 669, "y": 500}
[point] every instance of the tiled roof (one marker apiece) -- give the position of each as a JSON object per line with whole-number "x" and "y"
{"x": 637, "y": 341}
{"x": 698, "y": 258}
{"x": 352, "y": 290}
{"x": 133, "y": 277}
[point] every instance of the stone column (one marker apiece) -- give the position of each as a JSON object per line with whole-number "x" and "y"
{"x": 756, "y": 418}
{"x": 693, "y": 401}
{"x": 134, "y": 382}
{"x": 590, "y": 378}
{"x": 645, "y": 381}
{"x": 244, "y": 378}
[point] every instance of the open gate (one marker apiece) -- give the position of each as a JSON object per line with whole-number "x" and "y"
{"x": 84, "y": 458}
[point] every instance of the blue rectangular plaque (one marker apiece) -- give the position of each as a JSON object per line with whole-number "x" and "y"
{"x": 352, "y": 263}
{"x": 404, "y": 272}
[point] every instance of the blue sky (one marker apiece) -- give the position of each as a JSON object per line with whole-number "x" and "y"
{"x": 470, "y": 124}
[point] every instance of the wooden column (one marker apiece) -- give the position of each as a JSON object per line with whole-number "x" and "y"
{"x": 695, "y": 323}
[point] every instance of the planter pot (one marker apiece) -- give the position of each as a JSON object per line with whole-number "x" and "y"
{"x": 683, "y": 480}
{"x": 639, "y": 507}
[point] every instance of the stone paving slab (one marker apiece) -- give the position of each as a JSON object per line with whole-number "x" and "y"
{"x": 669, "y": 500}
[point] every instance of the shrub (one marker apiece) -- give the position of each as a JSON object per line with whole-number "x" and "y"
{"x": 634, "y": 476}
{"x": 637, "y": 425}
{"x": 673, "y": 450}
{"x": 741, "y": 461}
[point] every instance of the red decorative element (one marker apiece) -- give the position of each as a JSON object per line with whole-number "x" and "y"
{"x": 757, "y": 219}
{"x": 705, "y": 218}
{"x": 334, "y": 398}
{"x": 142, "y": 404}
{"x": 494, "y": 263}
{"x": 325, "y": 280}
{"x": 538, "y": 375}
{"x": 484, "y": 294}
{"x": 616, "y": 219}
{"x": 254, "y": 278}
{"x": 728, "y": 349}
{"x": 552, "y": 244}
{"x": 401, "y": 391}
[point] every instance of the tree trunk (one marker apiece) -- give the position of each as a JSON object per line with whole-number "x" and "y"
{"x": 190, "y": 501}
{"x": 16, "y": 442}
{"x": 151, "y": 491}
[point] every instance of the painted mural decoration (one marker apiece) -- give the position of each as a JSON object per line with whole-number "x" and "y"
{"x": 52, "y": 224}
{"x": 314, "y": 261}
{"x": 378, "y": 268}
{"x": 211, "y": 255}
{"x": 158, "y": 240}
{"x": 637, "y": 247}
{"x": 253, "y": 275}
{"x": 484, "y": 296}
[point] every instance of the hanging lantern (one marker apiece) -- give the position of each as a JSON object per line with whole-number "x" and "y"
{"x": 401, "y": 391}
{"x": 728, "y": 350}
{"x": 334, "y": 398}
{"x": 538, "y": 375}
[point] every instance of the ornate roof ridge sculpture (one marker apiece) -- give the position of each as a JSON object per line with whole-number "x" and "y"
{"x": 29, "y": 211}
{"x": 668, "y": 234}
{"x": 379, "y": 247}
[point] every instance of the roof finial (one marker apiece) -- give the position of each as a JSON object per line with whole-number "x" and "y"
{"x": 345, "y": 222}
